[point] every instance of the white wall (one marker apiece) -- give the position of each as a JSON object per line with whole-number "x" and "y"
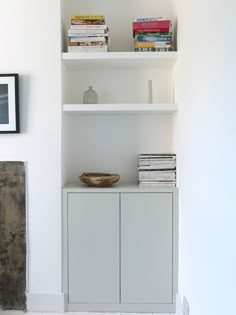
{"x": 206, "y": 151}
{"x": 30, "y": 46}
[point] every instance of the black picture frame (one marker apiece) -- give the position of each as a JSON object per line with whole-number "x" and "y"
{"x": 9, "y": 103}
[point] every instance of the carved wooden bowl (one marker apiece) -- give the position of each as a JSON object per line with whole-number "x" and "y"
{"x": 99, "y": 179}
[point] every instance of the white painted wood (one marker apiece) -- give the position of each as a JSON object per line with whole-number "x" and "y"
{"x": 120, "y": 108}
{"x": 147, "y": 248}
{"x": 111, "y": 142}
{"x": 93, "y": 248}
{"x": 65, "y": 265}
{"x": 119, "y": 59}
{"x": 93, "y": 216}
{"x": 83, "y": 313}
{"x": 45, "y": 302}
{"x": 175, "y": 228}
{"x": 134, "y": 308}
{"x": 134, "y": 188}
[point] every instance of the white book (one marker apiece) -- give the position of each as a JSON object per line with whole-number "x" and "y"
{"x": 88, "y": 39}
{"x": 156, "y": 176}
{"x": 155, "y": 184}
{"x": 156, "y": 168}
{"x": 157, "y": 163}
{"x": 87, "y": 27}
{"x": 91, "y": 32}
{"x": 88, "y": 48}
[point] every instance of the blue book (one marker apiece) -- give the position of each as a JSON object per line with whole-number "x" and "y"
{"x": 153, "y": 38}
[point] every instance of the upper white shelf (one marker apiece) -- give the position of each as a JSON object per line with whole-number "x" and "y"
{"x": 120, "y": 108}
{"x": 120, "y": 59}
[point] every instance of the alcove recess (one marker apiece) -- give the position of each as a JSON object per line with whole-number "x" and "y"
{"x": 108, "y": 137}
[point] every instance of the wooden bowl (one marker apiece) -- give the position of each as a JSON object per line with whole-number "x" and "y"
{"x": 99, "y": 179}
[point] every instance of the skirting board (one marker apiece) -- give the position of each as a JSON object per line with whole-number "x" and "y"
{"x": 179, "y": 305}
{"x": 43, "y": 302}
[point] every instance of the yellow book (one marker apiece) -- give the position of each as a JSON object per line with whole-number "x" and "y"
{"x": 152, "y": 45}
{"x": 87, "y": 17}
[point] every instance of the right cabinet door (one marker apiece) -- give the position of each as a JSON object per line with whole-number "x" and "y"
{"x": 146, "y": 248}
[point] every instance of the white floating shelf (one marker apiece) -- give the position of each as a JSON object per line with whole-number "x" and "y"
{"x": 120, "y": 108}
{"x": 120, "y": 59}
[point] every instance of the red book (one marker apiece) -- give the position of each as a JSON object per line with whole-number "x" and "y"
{"x": 161, "y": 26}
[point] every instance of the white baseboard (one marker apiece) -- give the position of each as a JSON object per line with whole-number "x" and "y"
{"x": 179, "y": 305}
{"x": 45, "y": 302}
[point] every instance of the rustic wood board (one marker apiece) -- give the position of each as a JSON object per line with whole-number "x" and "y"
{"x": 12, "y": 236}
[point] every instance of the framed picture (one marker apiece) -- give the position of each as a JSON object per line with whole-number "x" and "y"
{"x": 9, "y": 103}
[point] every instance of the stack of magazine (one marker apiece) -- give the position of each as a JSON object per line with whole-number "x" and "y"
{"x": 88, "y": 33}
{"x": 152, "y": 34}
{"x": 157, "y": 169}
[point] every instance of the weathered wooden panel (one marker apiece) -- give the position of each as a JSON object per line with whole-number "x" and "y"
{"x": 12, "y": 235}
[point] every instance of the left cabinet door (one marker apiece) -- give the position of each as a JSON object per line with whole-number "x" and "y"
{"x": 93, "y": 248}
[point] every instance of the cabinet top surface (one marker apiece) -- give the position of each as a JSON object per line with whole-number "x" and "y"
{"x": 77, "y": 187}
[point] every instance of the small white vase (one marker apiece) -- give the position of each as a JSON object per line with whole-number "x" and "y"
{"x": 150, "y": 100}
{"x": 90, "y": 96}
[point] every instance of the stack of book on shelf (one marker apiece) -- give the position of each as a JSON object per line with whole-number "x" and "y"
{"x": 153, "y": 34}
{"x": 88, "y": 33}
{"x": 157, "y": 169}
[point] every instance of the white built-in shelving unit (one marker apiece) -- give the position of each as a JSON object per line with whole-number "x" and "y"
{"x": 108, "y": 136}
{"x": 101, "y": 243}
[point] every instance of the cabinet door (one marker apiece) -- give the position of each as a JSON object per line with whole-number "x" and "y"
{"x": 146, "y": 248}
{"x": 93, "y": 247}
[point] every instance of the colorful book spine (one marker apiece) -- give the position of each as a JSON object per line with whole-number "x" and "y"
{"x": 164, "y": 34}
{"x": 152, "y": 45}
{"x": 155, "y": 49}
{"x": 87, "y": 17}
{"x": 100, "y": 43}
{"x": 87, "y": 22}
{"x": 88, "y": 33}
{"x": 151, "y": 26}
{"x": 146, "y": 19}
{"x": 153, "y": 38}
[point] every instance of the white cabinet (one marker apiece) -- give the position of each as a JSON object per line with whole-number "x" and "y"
{"x": 146, "y": 251}
{"x": 120, "y": 249}
{"x": 93, "y": 248}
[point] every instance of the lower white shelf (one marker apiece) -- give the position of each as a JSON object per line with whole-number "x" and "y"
{"x": 121, "y": 108}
